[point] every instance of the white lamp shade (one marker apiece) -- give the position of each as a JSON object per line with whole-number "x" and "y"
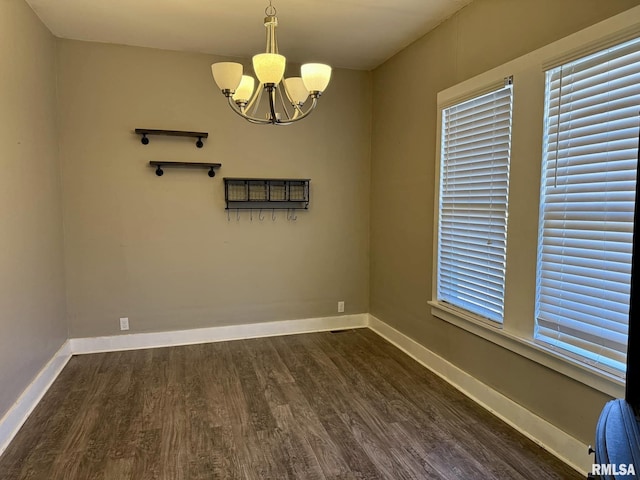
{"x": 298, "y": 93}
{"x": 269, "y": 67}
{"x": 227, "y": 75}
{"x": 244, "y": 90}
{"x": 315, "y": 76}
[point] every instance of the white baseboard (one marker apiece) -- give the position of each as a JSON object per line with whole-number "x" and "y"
{"x": 31, "y": 396}
{"x": 545, "y": 434}
{"x": 138, "y": 341}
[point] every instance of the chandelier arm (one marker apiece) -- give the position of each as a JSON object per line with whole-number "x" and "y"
{"x": 241, "y": 112}
{"x": 288, "y": 95}
{"x": 284, "y": 107}
{"x": 260, "y": 121}
{"x": 271, "y": 90}
{"x": 297, "y": 109}
{"x": 255, "y": 99}
{"x": 314, "y": 102}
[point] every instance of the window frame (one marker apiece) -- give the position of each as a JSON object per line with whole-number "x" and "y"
{"x": 517, "y": 331}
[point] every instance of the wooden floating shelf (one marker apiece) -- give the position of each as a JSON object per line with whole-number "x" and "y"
{"x": 209, "y": 166}
{"x": 171, "y": 133}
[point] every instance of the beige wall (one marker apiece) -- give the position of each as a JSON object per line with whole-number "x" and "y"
{"x": 162, "y": 251}
{"x": 483, "y": 35}
{"x": 32, "y": 307}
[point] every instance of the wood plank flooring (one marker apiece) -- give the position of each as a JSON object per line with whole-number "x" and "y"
{"x": 322, "y": 406}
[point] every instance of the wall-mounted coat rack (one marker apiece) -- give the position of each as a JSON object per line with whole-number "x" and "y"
{"x": 171, "y": 133}
{"x": 266, "y": 193}
{"x": 209, "y": 166}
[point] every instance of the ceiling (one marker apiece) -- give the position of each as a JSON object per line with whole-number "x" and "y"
{"x": 358, "y": 34}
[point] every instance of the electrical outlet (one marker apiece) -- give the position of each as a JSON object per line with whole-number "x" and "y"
{"x": 124, "y": 323}
{"x": 340, "y": 307}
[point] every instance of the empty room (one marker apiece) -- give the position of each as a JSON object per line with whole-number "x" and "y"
{"x": 269, "y": 239}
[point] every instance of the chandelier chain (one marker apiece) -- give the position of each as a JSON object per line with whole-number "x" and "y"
{"x": 270, "y": 11}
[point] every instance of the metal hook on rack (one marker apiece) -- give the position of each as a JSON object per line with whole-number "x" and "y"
{"x": 273, "y": 214}
{"x": 237, "y": 214}
{"x": 251, "y": 214}
{"x": 260, "y": 216}
{"x": 228, "y": 215}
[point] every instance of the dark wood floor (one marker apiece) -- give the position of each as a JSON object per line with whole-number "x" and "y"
{"x": 318, "y": 406}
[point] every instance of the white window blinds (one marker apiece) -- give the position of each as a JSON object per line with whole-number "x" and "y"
{"x": 587, "y": 206}
{"x": 474, "y": 185}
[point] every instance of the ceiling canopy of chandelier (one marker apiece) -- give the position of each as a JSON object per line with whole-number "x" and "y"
{"x": 292, "y": 93}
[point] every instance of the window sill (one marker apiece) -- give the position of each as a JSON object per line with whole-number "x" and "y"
{"x": 590, "y": 376}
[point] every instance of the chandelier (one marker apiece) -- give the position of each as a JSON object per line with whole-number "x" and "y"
{"x": 291, "y": 93}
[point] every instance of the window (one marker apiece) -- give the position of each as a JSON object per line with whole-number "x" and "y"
{"x": 587, "y": 206}
{"x": 557, "y": 289}
{"x": 474, "y": 185}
